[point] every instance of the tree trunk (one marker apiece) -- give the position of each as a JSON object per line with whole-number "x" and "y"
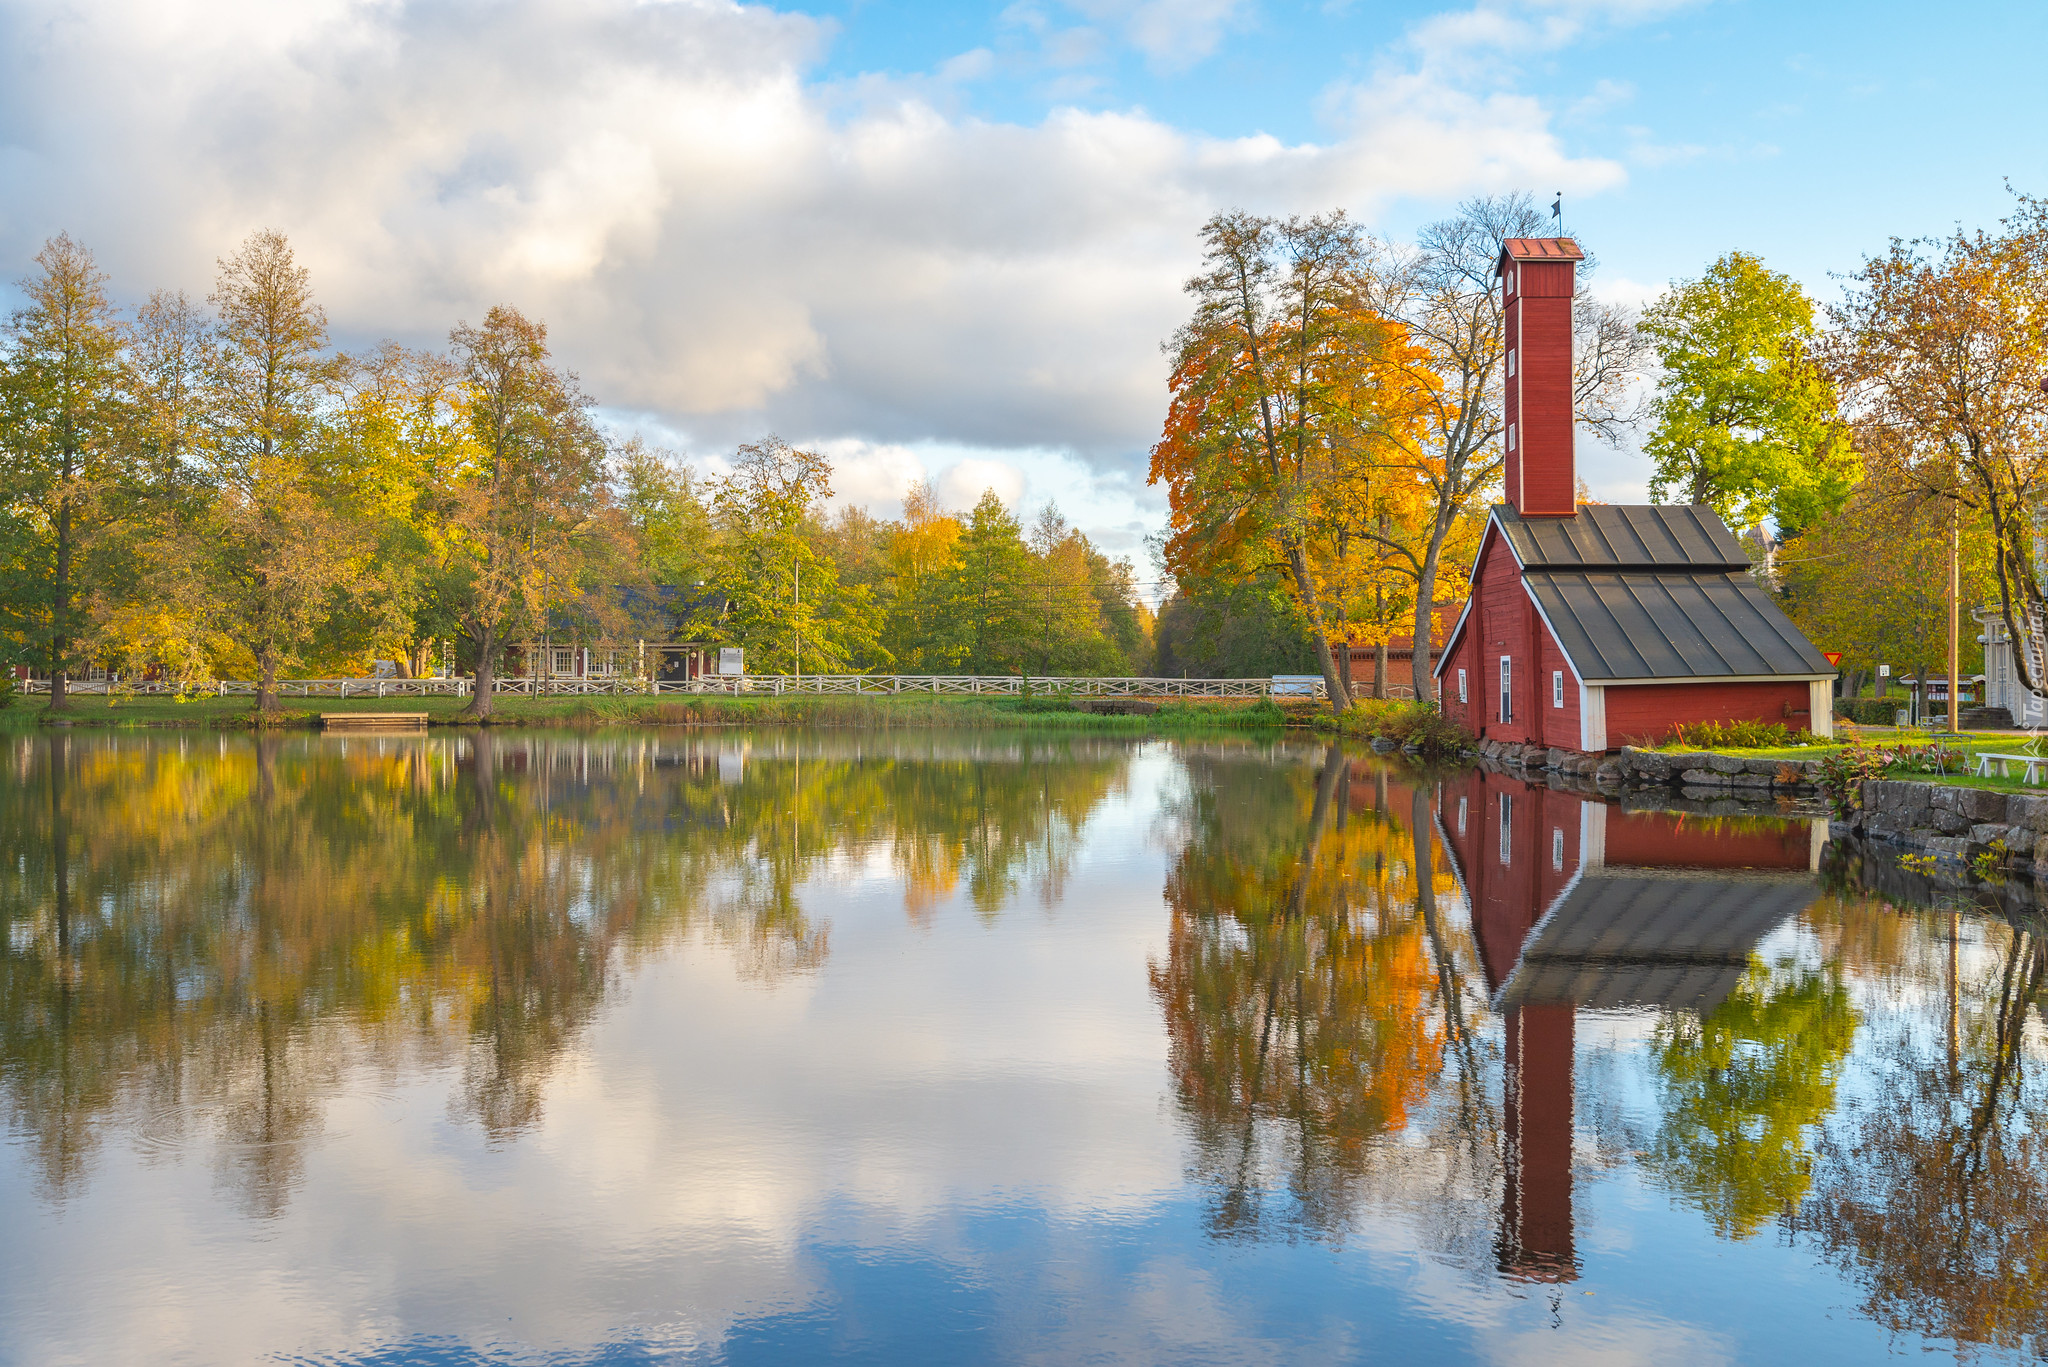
{"x": 405, "y": 658}
{"x": 1425, "y": 603}
{"x": 486, "y": 672}
{"x": 1344, "y": 667}
{"x": 266, "y": 681}
{"x": 1326, "y": 660}
{"x": 1379, "y": 669}
{"x": 60, "y": 610}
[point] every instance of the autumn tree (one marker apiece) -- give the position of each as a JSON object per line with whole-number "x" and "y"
{"x": 1745, "y": 413}
{"x": 1942, "y": 354}
{"x": 271, "y": 553}
{"x": 1872, "y": 579}
{"x": 1259, "y": 388}
{"x": 63, "y": 452}
{"x": 150, "y": 614}
{"x": 1445, "y": 295}
{"x": 524, "y": 501}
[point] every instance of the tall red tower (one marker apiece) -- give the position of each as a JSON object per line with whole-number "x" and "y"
{"x": 1537, "y": 277}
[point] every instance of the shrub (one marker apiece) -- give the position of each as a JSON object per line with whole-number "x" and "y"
{"x": 1407, "y": 722}
{"x": 1740, "y": 735}
{"x": 8, "y": 687}
{"x": 1870, "y": 711}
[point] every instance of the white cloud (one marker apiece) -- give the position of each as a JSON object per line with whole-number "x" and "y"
{"x": 716, "y": 240}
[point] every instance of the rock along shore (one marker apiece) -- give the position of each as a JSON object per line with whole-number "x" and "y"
{"x": 1696, "y": 774}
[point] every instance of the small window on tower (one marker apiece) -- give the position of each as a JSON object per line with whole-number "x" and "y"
{"x": 1461, "y": 687}
{"x": 1557, "y": 688}
{"x": 1507, "y": 689}
{"x": 1511, "y": 436}
{"x": 1557, "y": 848}
{"x": 1461, "y": 816}
{"x": 1507, "y": 826}
{"x": 1511, "y": 363}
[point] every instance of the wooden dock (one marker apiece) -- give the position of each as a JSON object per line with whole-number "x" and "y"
{"x": 373, "y": 721}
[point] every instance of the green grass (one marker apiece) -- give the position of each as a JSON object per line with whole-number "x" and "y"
{"x": 670, "y": 710}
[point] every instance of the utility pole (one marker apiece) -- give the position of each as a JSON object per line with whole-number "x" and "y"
{"x": 797, "y": 619}
{"x": 1955, "y": 546}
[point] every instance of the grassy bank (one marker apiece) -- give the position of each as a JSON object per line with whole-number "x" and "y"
{"x": 865, "y": 712}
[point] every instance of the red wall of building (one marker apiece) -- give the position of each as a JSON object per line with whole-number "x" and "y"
{"x": 1560, "y": 724}
{"x": 1505, "y": 622}
{"x": 1650, "y": 711}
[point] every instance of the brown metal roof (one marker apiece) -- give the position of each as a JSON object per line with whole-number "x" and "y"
{"x": 1623, "y": 536}
{"x": 1650, "y": 625}
{"x": 1541, "y": 249}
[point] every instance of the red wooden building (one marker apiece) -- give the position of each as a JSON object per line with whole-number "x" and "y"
{"x": 1597, "y": 625}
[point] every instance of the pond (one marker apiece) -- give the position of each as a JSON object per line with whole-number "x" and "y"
{"x": 781, "y": 1047}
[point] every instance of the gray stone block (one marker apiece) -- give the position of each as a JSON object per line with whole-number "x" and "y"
{"x": 1985, "y": 832}
{"x": 2025, "y": 809}
{"x": 1726, "y": 764}
{"x": 1948, "y": 847}
{"x": 1703, "y": 778}
{"x": 1557, "y": 758}
{"x": 1947, "y": 821}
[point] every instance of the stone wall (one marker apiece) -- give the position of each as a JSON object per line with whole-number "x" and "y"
{"x": 1953, "y": 823}
{"x": 1694, "y": 774}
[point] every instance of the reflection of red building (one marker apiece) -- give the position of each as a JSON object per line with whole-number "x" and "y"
{"x": 1576, "y": 903}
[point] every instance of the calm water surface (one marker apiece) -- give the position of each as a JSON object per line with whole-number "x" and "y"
{"x": 777, "y": 1048}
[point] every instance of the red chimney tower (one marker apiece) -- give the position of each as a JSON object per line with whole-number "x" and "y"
{"x": 1537, "y": 281}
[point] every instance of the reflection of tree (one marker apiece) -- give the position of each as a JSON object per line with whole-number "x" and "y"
{"x": 1299, "y": 991}
{"x": 206, "y": 936}
{"x": 1743, "y": 1087}
{"x": 1934, "y": 1193}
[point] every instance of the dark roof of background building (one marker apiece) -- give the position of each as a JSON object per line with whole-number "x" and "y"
{"x": 1639, "y": 937}
{"x": 1622, "y": 625}
{"x": 1624, "y": 536}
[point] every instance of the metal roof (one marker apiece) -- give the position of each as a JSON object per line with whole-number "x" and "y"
{"x": 1638, "y": 625}
{"x": 1541, "y": 249}
{"x": 1612, "y": 536}
{"x": 1641, "y": 937}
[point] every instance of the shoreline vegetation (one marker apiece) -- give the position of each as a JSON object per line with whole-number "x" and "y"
{"x": 1393, "y": 724}
{"x": 202, "y": 712}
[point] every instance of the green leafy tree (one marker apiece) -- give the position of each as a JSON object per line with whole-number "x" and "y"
{"x": 664, "y": 506}
{"x": 1745, "y": 1088}
{"x": 787, "y": 606}
{"x": 63, "y": 475}
{"x": 1746, "y": 417}
{"x": 981, "y": 620}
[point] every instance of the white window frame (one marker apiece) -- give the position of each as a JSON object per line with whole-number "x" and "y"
{"x": 1507, "y": 690}
{"x": 1461, "y": 816}
{"x": 1461, "y": 687}
{"x": 1557, "y": 688}
{"x": 1507, "y": 828}
{"x": 1511, "y": 361}
{"x": 564, "y": 661}
{"x": 1511, "y": 436}
{"x": 1557, "y": 848}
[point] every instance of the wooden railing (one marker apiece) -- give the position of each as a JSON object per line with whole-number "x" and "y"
{"x": 777, "y": 685}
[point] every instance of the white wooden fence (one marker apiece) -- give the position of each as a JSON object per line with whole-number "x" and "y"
{"x": 777, "y": 685}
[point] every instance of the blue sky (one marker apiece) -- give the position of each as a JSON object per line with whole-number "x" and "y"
{"x": 946, "y": 241}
